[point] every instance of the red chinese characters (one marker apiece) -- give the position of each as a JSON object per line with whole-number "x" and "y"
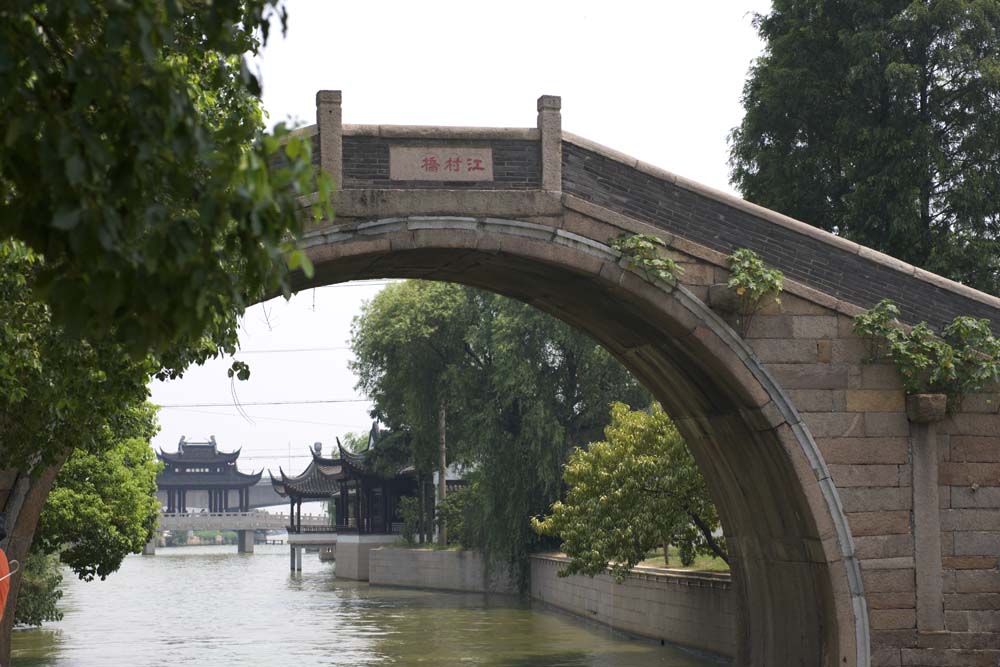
{"x": 433, "y": 163}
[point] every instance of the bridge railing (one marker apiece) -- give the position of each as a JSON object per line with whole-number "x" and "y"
{"x": 312, "y": 519}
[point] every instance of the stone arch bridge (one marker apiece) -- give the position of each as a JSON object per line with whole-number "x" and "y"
{"x": 862, "y": 533}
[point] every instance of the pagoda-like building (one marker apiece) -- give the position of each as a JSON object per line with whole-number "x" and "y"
{"x": 366, "y": 502}
{"x": 200, "y": 466}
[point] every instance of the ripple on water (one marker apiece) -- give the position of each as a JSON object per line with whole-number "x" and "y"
{"x": 212, "y": 606}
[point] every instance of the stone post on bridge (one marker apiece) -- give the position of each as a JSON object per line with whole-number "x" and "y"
{"x": 244, "y": 541}
{"x": 550, "y": 129}
{"x": 150, "y": 548}
{"x": 925, "y": 412}
{"x": 329, "y": 124}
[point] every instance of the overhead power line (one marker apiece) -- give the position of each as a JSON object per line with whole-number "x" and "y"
{"x": 294, "y": 350}
{"x": 232, "y": 405}
{"x": 272, "y": 419}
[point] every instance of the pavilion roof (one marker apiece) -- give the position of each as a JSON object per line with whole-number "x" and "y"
{"x": 206, "y": 452}
{"x": 318, "y": 480}
{"x": 230, "y": 477}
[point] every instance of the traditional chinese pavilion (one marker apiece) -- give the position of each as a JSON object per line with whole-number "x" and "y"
{"x": 366, "y": 502}
{"x": 201, "y": 467}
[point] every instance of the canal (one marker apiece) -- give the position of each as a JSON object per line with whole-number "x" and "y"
{"x": 212, "y": 606}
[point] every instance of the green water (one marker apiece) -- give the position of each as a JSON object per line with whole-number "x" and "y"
{"x": 212, "y": 606}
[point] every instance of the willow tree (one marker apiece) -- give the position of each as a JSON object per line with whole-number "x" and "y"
{"x": 522, "y": 388}
{"x": 409, "y": 344}
{"x": 878, "y": 120}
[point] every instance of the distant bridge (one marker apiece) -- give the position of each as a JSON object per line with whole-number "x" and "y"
{"x": 244, "y": 523}
{"x": 235, "y": 521}
{"x": 261, "y": 495}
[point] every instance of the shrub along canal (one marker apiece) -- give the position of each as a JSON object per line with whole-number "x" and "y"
{"x": 212, "y": 606}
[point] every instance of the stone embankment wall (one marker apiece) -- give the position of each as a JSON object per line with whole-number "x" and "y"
{"x": 692, "y": 610}
{"x": 426, "y": 568}
{"x": 696, "y": 610}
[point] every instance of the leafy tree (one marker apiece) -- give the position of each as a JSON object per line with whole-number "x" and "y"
{"x": 634, "y": 490}
{"x": 134, "y": 163}
{"x": 40, "y": 590}
{"x": 143, "y": 207}
{"x": 521, "y": 387}
{"x": 877, "y": 120}
{"x": 103, "y": 505}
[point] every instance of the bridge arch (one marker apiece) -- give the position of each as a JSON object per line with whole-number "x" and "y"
{"x": 800, "y": 596}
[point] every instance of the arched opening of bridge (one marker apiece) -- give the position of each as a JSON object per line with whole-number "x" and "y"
{"x": 794, "y": 572}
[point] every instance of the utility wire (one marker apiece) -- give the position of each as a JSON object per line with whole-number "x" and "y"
{"x": 294, "y": 350}
{"x": 272, "y": 419}
{"x": 230, "y": 405}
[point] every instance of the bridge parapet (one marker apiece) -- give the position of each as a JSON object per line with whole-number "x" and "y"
{"x": 234, "y": 521}
{"x": 386, "y": 171}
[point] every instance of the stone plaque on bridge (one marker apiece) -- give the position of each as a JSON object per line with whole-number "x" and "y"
{"x": 440, "y": 163}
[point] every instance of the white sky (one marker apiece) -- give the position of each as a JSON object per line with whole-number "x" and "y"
{"x": 657, "y": 80}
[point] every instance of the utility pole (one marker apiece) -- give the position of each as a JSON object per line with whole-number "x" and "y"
{"x": 442, "y": 469}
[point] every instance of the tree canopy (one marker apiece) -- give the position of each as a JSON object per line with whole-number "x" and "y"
{"x": 135, "y": 166}
{"x": 878, "y": 120}
{"x": 522, "y": 387}
{"x": 103, "y": 505}
{"x": 634, "y": 490}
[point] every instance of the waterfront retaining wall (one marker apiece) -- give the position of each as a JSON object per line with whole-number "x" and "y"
{"x": 697, "y": 610}
{"x": 425, "y": 568}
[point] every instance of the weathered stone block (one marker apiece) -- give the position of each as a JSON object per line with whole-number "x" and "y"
{"x": 967, "y": 474}
{"x": 972, "y": 601}
{"x": 886, "y": 424}
{"x": 887, "y": 581}
{"x": 875, "y": 400}
{"x": 880, "y": 376}
{"x": 795, "y": 305}
{"x": 818, "y": 400}
{"x": 865, "y": 475}
{"x": 983, "y": 620}
{"x": 969, "y": 563}
{"x": 889, "y": 619}
{"x": 861, "y": 499}
{"x": 905, "y": 600}
{"x": 834, "y": 424}
{"x": 879, "y": 523}
{"x": 814, "y": 326}
{"x": 783, "y": 351}
{"x": 974, "y": 448}
{"x": 810, "y": 376}
{"x": 973, "y": 542}
{"x": 970, "y": 519}
{"x": 883, "y": 546}
{"x": 926, "y": 408}
{"x": 864, "y": 450}
{"x": 976, "y": 581}
{"x": 987, "y": 403}
{"x": 850, "y": 351}
{"x": 981, "y": 496}
{"x": 770, "y": 326}
{"x": 928, "y": 657}
{"x": 976, "y": 424}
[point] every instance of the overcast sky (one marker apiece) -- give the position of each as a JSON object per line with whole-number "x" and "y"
{"x": 657, "y": 80}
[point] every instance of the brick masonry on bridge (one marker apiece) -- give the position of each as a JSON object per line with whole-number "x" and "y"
{"x": 516, "y": 163}
{"x": 712, "y": 223}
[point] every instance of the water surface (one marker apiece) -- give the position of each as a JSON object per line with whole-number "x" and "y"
{"x": 212, "y": 606}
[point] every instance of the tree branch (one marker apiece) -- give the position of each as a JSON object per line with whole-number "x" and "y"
{"x": 709, "y": 538}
